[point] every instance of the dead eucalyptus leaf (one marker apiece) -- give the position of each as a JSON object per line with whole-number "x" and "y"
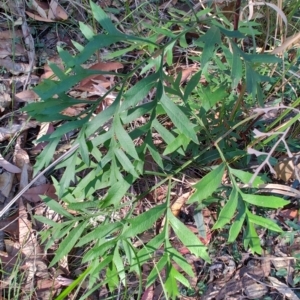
{"x": 6, "y": 181}
{"x": 285, "y": 169}
{"x": 283, "y": 288}
{"x": 8, "y": 166}
{"x": 287, "y": 44}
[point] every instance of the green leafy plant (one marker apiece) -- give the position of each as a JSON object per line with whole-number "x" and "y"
{"x": 197, "y": 136}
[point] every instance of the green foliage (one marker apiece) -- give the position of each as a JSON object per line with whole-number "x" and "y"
{"x": 197, "y": 135}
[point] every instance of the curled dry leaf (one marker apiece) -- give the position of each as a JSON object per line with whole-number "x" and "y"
{"x": 7, "y": 133}
{"x": 26, "y": 96}
{"x": 56, "y": 12}
{"x": 6, "y": 181}
{"x": 8, "y": 34}
{"x": 179, "y": 202}
{"x": 87, "y": 83}
{"x": 283, "y": 288}
{"x": 288, "y": 43}
{"x": 285, "y": 169}
{"x": 33, "y": 194}
{"x": 7, "y": 48}
{"x": 5, "y": 101}
{"x": 8, "y": 166}
{"x": 13, "y": 67}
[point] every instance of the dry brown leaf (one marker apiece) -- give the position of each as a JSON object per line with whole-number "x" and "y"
{"x": 7, "y": 48}
{"x": 179, "y": 202}
{"x": 7, "y": 133}
{"x": 6, "y": 182}
{"x": 288, "y": 43}
{"x": 8, "y": 34}
{"x": 56, "y": 12}
{"x": 11, "y": 226}
{"x": 39, "y": 7}
{"x": 38, "y": 18}
{"x": 285, "y": 169}
{"x": 5, "y": 101}
{"x": 101, "y": 66}
{"x": 13, "y": 67}
{"x": 283, "y": 288}
{"x": 33, "y": 194}
{"x": 26, "y": 96}
{"x": 149, "y": 293}
{"x": 8, "y": 166}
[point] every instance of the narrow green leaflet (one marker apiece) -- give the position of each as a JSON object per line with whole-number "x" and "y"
{"x": 101, "y": 231}
{"x": 112, "y": 277}
{"x": 67, "y": 127}
{"x": 86, "y": 31}
{"x": 245, "y": 177}
{"x": 68, "y": 243}
{"x": 144, "y": 221}
{"x": 211, "y": 38}
{"x": 165, "y": 134}
{"x": 179, "y": 119}
{"x": 208, "y": 184}
{"x": 74, "y": 284}
{"x": 104, "y": 20}
{"x": 157, "y": 269}
{"x": 179, "y": 141}
{"x": 69, "y": 174}
{"x": 125, "y": 162}
{"x": 236, "y": 70}
{"x": 236, "y": 227}
{"x": 262, "y": 58}
{"x": 264, "y": 222}
{"x": 211, "y": 97}
{"x": 101, "y": 118}
{"x": 45, "y": 220}
{"x": 265, "y": 201}
{"x": 101, "y": 265}
{"x": 193, "y": 82}
{"x": 179, "y": 277}
{"x": 189, "y": 239}
{"x": 251, "y": 239}
{"x": 146, "y": 252}
{"x": 117, "y": 191}
{"x": 46, "y": 156}
{"x": 118, "y": 261}
{"x": 228, "y": 210}
{"x": 99, "y": 251}
{"x": 251, "y": 80}
{"x": 83, "y": 149}
{"x": 153, "y": 151}
{"x": 124, "y": 139}
{"x": 170, "y": 284}
{"x": 179, "y": 259}
{"x": 139, "y": 91}
{"x": 54, "y": 205}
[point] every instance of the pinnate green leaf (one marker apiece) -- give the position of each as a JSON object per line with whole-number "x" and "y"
{"x": 251, "y": 239}
{"x": 228, "y": 210}
{"x": 54, "y": 205}
{"x": 245, "y": 177}
{"x": 264, "y": 222}
{"x": 144, "y": 221}
{"x": 265, "y": 201}
{"x": 104, "y": 20}
{"x": 208, "y": 184}
{"x": 179, "y": 119}
{"x": 68, "y": 243}
{"x": 189, "y": 239}
{"x": 124, "y": 139}
{"x": 236, "y": 227}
